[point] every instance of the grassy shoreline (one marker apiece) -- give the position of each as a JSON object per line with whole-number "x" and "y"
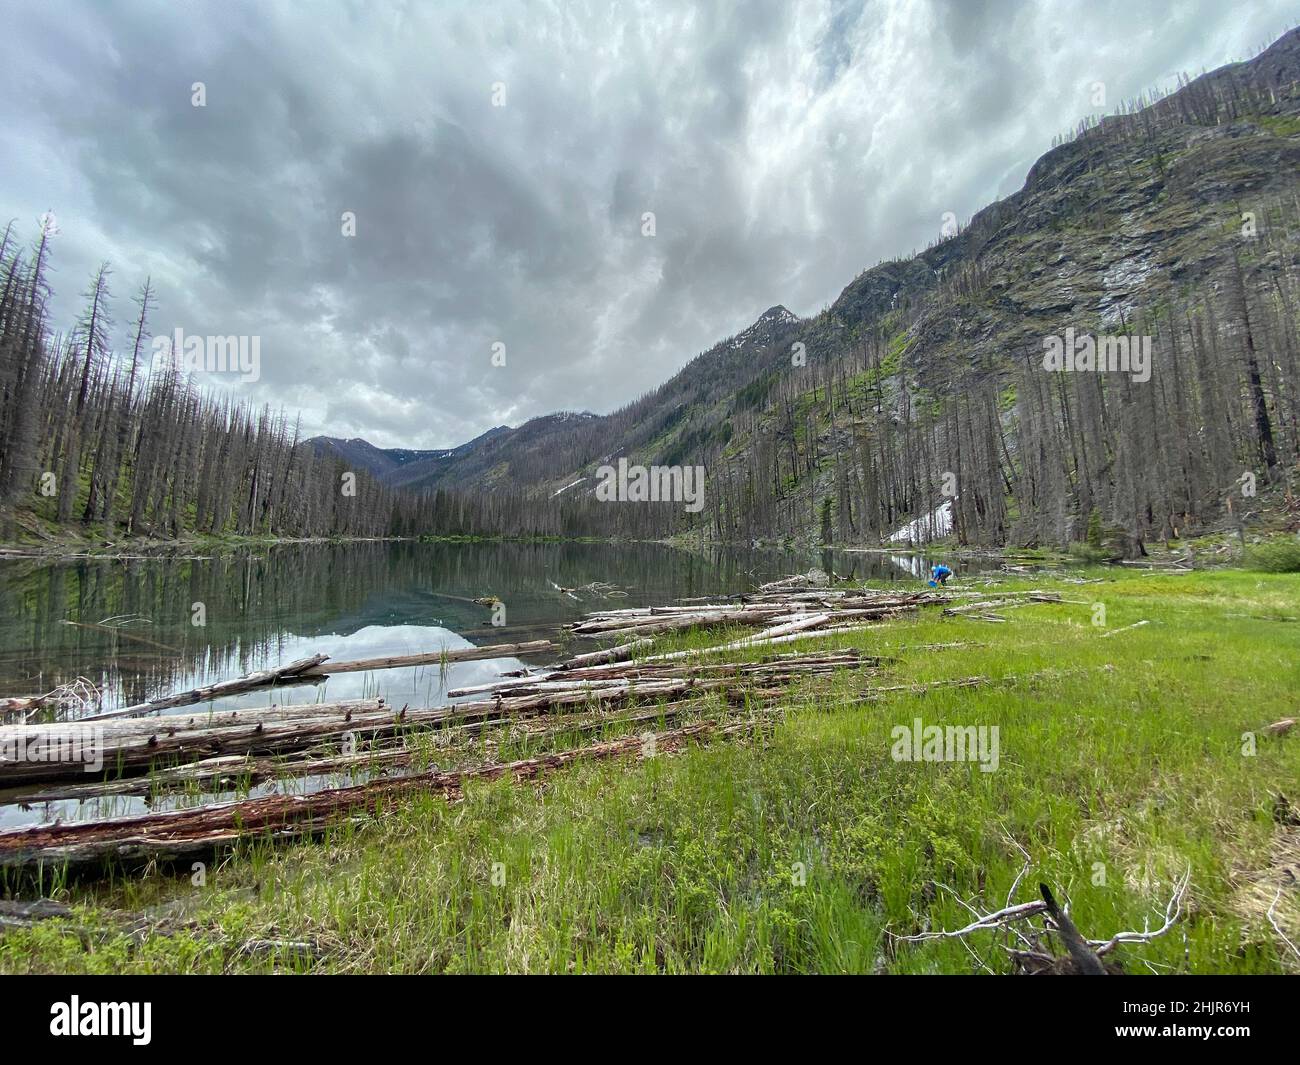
{"x": 807, "y": 848}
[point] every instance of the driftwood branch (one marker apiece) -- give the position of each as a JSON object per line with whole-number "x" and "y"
{"x": 1173, "y": 910}
{"x": 1272, "y": 909}
{"x": 1086, "y": 962}
{"x": 1083, "y": 956}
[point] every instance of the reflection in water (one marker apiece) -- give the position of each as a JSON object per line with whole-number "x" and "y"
{"x": 912, "y": 565}
{"x": 127, "y": 625}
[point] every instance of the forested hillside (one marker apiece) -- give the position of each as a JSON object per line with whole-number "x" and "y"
{"x": 1174, "y": 223}
{"x": 107, "y": 445}
{"x": 1175, "y": 219}
{"x": 113, "y": 445}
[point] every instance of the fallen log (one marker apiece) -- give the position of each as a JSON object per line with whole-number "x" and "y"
{"x": 920, "y": 689}
{"x": 787, "y": 625}
{"x": 202, "y": 829}
{"x": 318, "y": 666}
{"x": 752, "y": 641}
{"x": 433, "y": 658}
{"x": 243, "y": 771}
{"x": 21, "y": 704}
{"x": 140, "y": 927}
{"x": 989, "y": 604}
{"x": 134, "y": 747}
{"x": 657, "y": 666}
{"x": 260, "y": 679}
{"x": 612, "y": 654}
{"x": 1125, "y": 628}
{"x": 769, "y": 609}
{"x": 652, "y": 624}
{"x": 641, "y": 673}
{"x": 876, "y": 694}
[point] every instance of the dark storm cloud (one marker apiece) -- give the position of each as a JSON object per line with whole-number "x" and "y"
{"x": 780, "y": 147}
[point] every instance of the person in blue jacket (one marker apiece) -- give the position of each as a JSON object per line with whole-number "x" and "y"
{"x": 939, "y": 575}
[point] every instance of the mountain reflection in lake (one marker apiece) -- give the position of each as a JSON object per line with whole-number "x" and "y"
{"x": 128, "y": 626}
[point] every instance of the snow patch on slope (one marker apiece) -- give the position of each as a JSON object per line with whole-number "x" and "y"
{"x": 927, "y": 527}
{"x": 567, "y": 487}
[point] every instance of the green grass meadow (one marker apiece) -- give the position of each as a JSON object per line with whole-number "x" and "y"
{"x": 804, "y": 847}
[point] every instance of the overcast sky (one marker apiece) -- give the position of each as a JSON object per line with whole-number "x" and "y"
{"x": 782, "y": 147}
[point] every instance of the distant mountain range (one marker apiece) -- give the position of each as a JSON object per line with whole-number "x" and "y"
{"x": 399, "y": 466}
{"x": 529, "y": 455}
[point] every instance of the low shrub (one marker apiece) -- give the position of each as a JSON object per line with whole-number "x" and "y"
{"x": 1280, "y": 554}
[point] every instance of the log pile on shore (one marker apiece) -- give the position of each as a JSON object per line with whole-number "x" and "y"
{"x": 382, "y": 751}
{"x": 230, "y": 744}
{"x": 777, "y": 610}
{"x": 199, "y": 830}
{"x": 223, "y": 751}
{"x": 304, "y": 671}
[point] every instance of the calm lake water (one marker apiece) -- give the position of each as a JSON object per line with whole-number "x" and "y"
{"x": 126, "y": 627}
